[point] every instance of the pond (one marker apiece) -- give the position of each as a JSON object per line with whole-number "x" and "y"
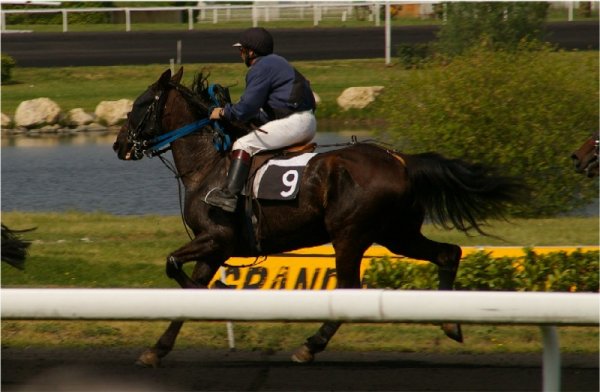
{"x": 82, "y": 173}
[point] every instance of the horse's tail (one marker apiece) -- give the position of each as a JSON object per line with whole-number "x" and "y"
{"x": 458, "y": 194}
{"x": 14, "y": 249}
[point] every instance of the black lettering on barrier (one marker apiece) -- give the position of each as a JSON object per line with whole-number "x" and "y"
{"x": 235, "y": 273}
{"x": 329, "y": 274}
{"x": 253, "y": 272}
{"x": 281, "y": 278}
{"x": 302, "y": 281}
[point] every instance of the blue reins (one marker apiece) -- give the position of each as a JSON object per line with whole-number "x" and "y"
{"x": 221, "y": 140}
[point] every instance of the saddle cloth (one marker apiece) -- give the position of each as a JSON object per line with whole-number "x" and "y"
{"x": 279, "y": 179}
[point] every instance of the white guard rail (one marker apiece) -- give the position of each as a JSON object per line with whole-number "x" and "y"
{"x": 261, "y": 305}
{"x": 543, "y": 309}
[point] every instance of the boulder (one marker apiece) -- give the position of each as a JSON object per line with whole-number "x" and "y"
{"x": 37, "y": 112}
{"x": 113, "y": 112}
{"x": 358, "y": 97}
{"x": 317, "y": 98}
{"x": 5, "y": 121}
{"x": 78, "y": 116}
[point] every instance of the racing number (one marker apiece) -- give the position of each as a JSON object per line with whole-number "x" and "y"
{"x": 290, "y": 179}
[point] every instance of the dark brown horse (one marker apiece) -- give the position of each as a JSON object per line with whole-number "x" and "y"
{"x": 585, "y": 158}
{"x": 351, "y": 197}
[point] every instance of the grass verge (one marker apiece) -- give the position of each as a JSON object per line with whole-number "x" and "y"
{"x": 100, "y": 250}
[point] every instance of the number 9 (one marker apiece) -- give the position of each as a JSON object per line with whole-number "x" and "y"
{"x": 290, "y": 179}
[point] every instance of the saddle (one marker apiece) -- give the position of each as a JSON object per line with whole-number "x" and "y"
{"x": 262, "y": 157}
{"x": 251, "y": 202}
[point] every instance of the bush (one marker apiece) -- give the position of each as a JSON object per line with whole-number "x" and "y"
{"x": 503, "y": 24}
{"x": 56, "y": 18}
{"x": 556, "y": 271}
{"x": 413, "y": 55}
{"x": 8, "y": 63}
{"x": 523, "y": 112}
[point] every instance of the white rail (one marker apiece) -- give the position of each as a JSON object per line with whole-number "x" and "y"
{"x": 261, "y": 305}
{"x": 543, "y": 309}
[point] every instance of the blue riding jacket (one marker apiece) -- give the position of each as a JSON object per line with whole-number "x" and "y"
{"x": 276, "y": 87}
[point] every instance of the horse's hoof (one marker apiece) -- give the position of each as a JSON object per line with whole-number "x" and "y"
{"x": 453, "y": 331}
{"x": 148, "y": 359}
{"x": 172, "y": 268}
{"x": 303, "y": 355}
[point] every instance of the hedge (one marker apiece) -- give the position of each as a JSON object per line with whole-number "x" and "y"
{"x": 522, "y": 112}
{"x": 557, "y": 271}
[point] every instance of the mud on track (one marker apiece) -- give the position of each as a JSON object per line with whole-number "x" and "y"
{"x": 100, "y": 369}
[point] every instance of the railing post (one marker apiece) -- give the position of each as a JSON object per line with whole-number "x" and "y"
{"x": 215, "y": 16}
{"x": 127, "y": 19}
{"x": 190, "y": 19}
{"x": 551, "y": 360}
{"x": 388, "y": 33}
{"x": 64, "y": 20}
{"x": 254, "y": 16}
{"x": 2, "y": 21}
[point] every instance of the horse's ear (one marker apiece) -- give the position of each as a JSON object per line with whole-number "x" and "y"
{"x": 177, "y": 77}
{"x": 164, "y": 78}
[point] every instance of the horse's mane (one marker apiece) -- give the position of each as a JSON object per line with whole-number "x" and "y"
{"x": 201, "y": 101}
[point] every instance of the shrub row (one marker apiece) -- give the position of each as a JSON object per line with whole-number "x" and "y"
{"x": 523, "y": 112}
{"x": 558, "y": 271}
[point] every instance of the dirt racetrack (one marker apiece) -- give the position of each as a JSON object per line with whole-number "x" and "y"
{"x": 101, "y": 369}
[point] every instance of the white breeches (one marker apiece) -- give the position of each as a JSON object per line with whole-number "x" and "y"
{"x": 295, "y": 129}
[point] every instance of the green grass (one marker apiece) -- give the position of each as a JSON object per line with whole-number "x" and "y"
{"x": 99, "y": 250}
{"x": 86, "y": 87}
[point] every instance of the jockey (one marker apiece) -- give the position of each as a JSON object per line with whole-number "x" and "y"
{"x": 277, "y": 99}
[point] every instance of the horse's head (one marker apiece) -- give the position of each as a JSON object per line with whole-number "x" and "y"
{"x": 585, "y": 158}
{"x": 144, "y": 122}
{"x": 167, "y": 111}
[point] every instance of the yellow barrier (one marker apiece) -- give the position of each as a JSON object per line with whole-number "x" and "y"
{"x": 314, "y": 268}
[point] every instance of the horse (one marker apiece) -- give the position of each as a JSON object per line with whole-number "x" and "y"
{"x": 585, "y": 158}
{"x": 351, "y": 197}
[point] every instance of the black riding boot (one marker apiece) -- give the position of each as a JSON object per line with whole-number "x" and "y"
{"x": 226, "y": 198}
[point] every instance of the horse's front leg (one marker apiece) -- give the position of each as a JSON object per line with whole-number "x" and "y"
{"x": 347, "y": 262}
{"x": 201, "y": 277}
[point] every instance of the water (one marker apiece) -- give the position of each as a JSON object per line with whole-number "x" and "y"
{"x": 82, "y": 173}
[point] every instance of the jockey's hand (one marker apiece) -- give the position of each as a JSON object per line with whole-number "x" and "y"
{"x": 216, "y": 114}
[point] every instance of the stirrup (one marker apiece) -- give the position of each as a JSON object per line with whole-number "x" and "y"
{"x": 222, "y": 199}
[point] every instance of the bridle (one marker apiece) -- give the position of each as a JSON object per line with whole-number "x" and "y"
{"x": 134, "y": 136}
{"x": 150, "y": 123}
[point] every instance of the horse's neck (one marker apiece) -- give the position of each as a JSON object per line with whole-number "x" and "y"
{"x": 195, "y": 157}
{"x": 196, "y": 160}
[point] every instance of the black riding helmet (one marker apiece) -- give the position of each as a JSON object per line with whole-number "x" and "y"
{"x": 258, "y": 39}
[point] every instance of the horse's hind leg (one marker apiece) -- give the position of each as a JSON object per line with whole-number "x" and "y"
{"x": 202, "y": 275}
{"x": 348, "y": 277}
{"x": 445, "y": 256}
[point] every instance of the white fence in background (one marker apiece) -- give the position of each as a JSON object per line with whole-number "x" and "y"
{"x": 543, "y": 309}
{"x": 255, "y": 13}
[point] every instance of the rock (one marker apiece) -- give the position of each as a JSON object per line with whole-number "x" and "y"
{"x": 54, "y": 128}
{"x": 317, "y": 98}
{"x": 78, "y": 116}
{"x": 5, "y": 121}
{"x": 358, "y": 97}
{"x": 37, "y": 112}
{"x": 113, "y": 112}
